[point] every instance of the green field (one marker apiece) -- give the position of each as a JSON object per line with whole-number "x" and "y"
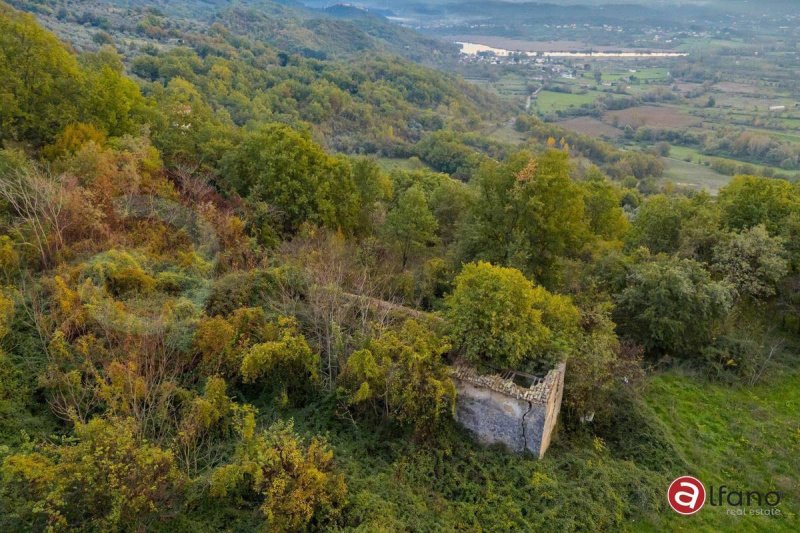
{"x": 701, "y": 44}
{"x": 694, "y": 175}
{"x": 654, "y": 73}
{"x": 389, "y": 164}
{"x": 511, "y": 85}
{"x": 684, "y": 153}
{"x": 551, "y": 102}
{"x": 505, "y": 134}
{"x": 643, "y": 74}
{"x": 747, "y": 438}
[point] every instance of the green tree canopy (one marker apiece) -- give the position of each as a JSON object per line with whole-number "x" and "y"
{"x": 188, "y": 129}
{"x": 529, "y": 214}
{"x": 291, "y": 483}
{"x": 108, "y": 479}
{"x": 40, "y": 82}
{"x": 672, "y": 306}
{"x": 689, "y": 227}
{"x": 752, "y": 261}
{"x": 748, "y": 201}
{"x": 288, "y": 171}
{"x": 44, "y": 88}
{"x": 594, "y": 368}
{"x": 410, "y": 225}
{"x": 603, "y": 207}
{"x": 499, "y": 318}
{"x": 402, "y": 374}
{"x": 657, "y": 224}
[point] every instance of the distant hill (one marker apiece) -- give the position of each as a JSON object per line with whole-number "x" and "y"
{"x": 349, "y": 80}
{"x": 338, "y": 30}
{"x": 347, "y": 11}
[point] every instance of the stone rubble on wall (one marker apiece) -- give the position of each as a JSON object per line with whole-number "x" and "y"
{"x": 497, "y": 410}
{"x": 536, "y": 393}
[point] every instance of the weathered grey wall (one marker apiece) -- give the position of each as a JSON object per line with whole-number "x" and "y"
{"x": 492, "y": 416}
{"x": 498, "y": 416}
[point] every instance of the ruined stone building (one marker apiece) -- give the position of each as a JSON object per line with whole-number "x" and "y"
{"x": 516, "y": 409}
{"x": 512, "y": 408}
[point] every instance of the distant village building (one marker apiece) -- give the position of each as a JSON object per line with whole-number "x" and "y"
{"x": 777, "y": 108}
{"x": 515, "y": 409}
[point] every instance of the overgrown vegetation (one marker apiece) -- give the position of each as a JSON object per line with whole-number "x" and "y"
{"x": 217, "y": 314}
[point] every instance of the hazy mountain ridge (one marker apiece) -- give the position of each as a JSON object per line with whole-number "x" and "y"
{"x": 288, "y": 25}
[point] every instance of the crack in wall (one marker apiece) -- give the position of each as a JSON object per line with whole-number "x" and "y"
{"x": 524, "y": 427}
{"x": 493, "y": 407}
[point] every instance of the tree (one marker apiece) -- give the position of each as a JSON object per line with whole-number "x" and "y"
{"x": 295, "y": 177}
{"x": 657, "y": 224}
{"x": 662, "y": 148}
{"x": 113, "y": 100}
{"x": 603, "y": 206}
{"x": 595, "y": 368}
{"x": 411, "y": 226}
{"x": 9, "y": 257}
{"x": 374, "y": 187}
{"x": 205, "y": 426}
{"x": 748, "y": 201}
{"x": 752, "y": 261}
{"x": 248, "y": 346}
{"x": 107, "y": 480}
{"x": 285, "y": 358}
{"x": 338, "y": 197}
{"x": 290, "y": 483}
{"x": 189, "y": 131}
{"x": 444, "y": 152}
{"x": 339, "y": 294}
{"x": 490, "y": 221}
{"x": 48, "y": 209}
{"x": 73, "y": 138}
{"x": 672, "y": 306}
{"x": 450, "y": 203}
{"x": 529, "y": 214}
{"x": 281, "y": 167}
{"x": 402, "y": 375}
{"x": 550, "y": 216}
{"x": 499, "y": 319}
{"x": 45, "y": 88}
{"x": 700, "y": 228}
{"x": 637, "y": 164}
{"x": 690, "y": 227}
{"x": 42, "y": 82}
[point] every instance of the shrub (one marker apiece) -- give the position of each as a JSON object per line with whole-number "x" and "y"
{"x": 124, "y": 482}
{"x": 500, "y": 319}
{"x": 673, "y": 306}
{"x": 401, "y": 374}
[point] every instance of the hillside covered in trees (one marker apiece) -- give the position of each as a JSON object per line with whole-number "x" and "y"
{"x": 222, "y": 63}
{"x": 220, "y": 309}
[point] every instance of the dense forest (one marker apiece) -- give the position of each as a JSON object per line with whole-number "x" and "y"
{"x": 220, "y": 309}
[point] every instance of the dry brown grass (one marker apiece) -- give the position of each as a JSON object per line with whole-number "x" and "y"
{"x": 591, "y": 126}
{"x": 733, "y": 87}
{"x": 651, "y": 116}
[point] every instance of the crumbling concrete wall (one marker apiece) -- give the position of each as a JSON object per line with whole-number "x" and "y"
{"x": 497, "y": 410}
